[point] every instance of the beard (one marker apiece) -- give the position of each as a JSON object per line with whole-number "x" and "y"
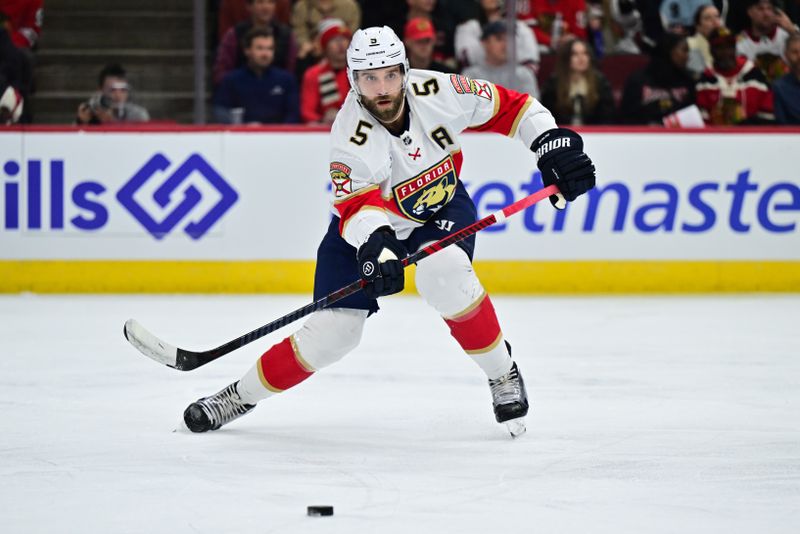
{"x": 384, "y": 114}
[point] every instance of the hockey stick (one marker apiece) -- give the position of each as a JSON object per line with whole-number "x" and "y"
{"x": 187, "y": 360}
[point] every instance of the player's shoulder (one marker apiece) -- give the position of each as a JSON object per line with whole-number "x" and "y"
{"x": 423, "y": 82}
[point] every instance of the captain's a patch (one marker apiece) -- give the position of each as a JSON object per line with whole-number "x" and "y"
{"x": 341, "y": 183}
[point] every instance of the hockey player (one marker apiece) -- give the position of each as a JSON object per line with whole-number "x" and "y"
{"x": 394, "y": 165}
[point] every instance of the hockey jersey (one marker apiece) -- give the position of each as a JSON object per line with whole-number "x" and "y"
{"x": 379, "y": 179}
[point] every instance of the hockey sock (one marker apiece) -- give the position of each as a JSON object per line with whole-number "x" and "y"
{"x": 477, "y": 331}
{"x": 278, "y": 369}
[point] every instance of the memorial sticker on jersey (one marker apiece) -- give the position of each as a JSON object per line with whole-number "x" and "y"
{"x": 425, "y": 194}
{"x": 340, "y": 176}
{"x": 462, "y": 84}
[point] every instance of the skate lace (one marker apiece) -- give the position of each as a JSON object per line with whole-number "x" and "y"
{"x": 505, "y": 389}
{"x": 225, "y": 406}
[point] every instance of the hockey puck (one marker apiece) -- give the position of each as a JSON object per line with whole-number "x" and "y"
{"x": 317, "y": 511}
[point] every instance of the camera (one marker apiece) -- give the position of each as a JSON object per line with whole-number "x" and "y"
{"x": 99, "y": 102}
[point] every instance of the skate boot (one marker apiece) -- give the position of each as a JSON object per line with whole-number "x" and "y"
{"x": 510, "y": 400}
{"x": 210, "y": 413}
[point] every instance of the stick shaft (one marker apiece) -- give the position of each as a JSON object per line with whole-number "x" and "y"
{"x": 188, "y": 360}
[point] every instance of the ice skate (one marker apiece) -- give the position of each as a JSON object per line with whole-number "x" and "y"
{"x": 510, "y": 400}
{"x": 210, "y": 413}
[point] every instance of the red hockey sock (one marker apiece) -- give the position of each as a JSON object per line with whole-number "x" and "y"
{"x": 476, "y": 329}
{"x": 282, "y": 367}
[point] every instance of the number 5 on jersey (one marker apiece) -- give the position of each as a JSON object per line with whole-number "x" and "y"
{"x": 360, "y": 136}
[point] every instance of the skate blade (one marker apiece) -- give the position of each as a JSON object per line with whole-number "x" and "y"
{"x": 516, "y": 427}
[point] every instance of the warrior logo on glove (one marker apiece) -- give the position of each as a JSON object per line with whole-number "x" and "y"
{"x": 368, "y": 268}
{"x": 381, "y": 265}
{"x": 563, "y": 162}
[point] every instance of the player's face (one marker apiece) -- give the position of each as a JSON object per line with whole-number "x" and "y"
{"x": 381, "y": 91}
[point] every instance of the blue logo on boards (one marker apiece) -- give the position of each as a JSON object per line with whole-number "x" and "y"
{"x": 48, "y": 201}
{"x": 163, "y": 196}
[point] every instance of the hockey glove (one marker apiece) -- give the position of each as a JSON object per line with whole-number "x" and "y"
{"x": 563, "y": 162}
{"x": 380, "y": 263}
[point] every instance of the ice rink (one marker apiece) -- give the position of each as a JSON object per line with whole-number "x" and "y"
{"x": 649, "y": 415}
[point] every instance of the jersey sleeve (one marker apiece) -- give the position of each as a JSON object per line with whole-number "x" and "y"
{"x": 488, "y": 107}
{"x": 355, "y": 185}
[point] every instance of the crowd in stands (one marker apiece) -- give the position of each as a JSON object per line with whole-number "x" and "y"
{"x": 649, "y": 62}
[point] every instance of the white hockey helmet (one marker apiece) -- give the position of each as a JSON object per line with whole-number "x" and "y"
{"x": 375, "y": 48}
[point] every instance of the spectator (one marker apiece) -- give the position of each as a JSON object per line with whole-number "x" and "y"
{"x": 769, "y": 28}
{"x": 325, "y": 85}
{"x": 25, "y": 20}
{"x": 595, "y": 29}
{"x": 419, "y": 37}
{"x": 733, "y": 90}
{"x": 706, "y": 20}
{"x": 382, "y": 13}
{"x": 259, "y": 92}
{"x": 443, "y": 23}
{"x": 495, "y": 67}
{"x": 232, "y": 12}
{"x": 111, "y": 103}
{"x": 468, "y": 40}
{"x": 787, "y": 88}
{"x": 629, "y": 21}
{"x": 554, "y": 21}
{"x": 306, "y": 17}
{"x": 230, "y": 54}
{"x": 663, "y": 87}
{"x": 578, "y": 93}
{"x": 15, "y": 70}
{"x": 680, "y": 16}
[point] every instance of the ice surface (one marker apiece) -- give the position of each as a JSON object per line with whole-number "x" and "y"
{"x": 650, "y": 415}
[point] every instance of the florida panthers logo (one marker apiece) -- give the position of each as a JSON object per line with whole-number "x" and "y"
{"x": 433, "y": 198}
{"x": 422, "y": 196}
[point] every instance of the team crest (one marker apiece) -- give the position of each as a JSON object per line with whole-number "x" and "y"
{"x": 340, "y": 179}
{"x": 422, "y": 196}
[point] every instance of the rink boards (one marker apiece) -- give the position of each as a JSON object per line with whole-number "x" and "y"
{"x": 210, "y": 210}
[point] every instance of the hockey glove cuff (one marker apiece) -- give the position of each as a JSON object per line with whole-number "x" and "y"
{"x": 380, "y": 263}
{"x": 562, "y": 162}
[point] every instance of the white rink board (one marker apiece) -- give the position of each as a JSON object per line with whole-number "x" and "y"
{"x": 736, "y": 197}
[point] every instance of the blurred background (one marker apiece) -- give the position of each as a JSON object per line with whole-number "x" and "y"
{"x": 591, "y": 62}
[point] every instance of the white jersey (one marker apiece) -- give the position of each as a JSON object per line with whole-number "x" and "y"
{"x": 751, "y": 48}
{"x": 380, "y": 179}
